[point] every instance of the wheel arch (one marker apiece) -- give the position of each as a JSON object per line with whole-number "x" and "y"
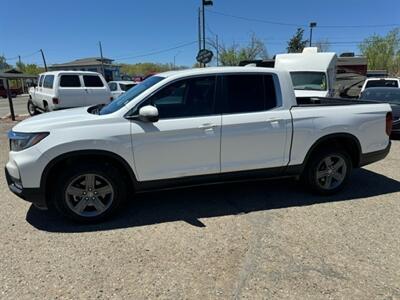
{"x": 66, "y": 159}
{"x": 345, "y": 141}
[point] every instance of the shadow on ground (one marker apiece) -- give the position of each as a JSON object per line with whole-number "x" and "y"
{"x": 192, "y": 204}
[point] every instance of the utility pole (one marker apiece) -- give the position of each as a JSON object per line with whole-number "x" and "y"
{"x": 217, "y": 50}
{"x": 312, "y": 25}
{"x": 102, "y": 63}
{"x": 19, "y": 59}
{"x": 203, "y": 24}
{"x": 44, "y": 60}
{"x": 199, "y": 27}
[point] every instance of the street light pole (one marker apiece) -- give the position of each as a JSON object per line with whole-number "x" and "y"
{"x": 312, "y": 25}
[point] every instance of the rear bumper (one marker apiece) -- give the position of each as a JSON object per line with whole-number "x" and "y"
{"x": 369, "y": 158}
{"x": 34, "y": 195}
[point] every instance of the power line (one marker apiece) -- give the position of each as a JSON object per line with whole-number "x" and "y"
{"x": 300, "y": 25}
{"x": 22, "y": 56}
{"x": 255, "y": 20}
{"x": 158, "y": 51}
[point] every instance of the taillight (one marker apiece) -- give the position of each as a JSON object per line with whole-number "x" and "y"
{"x": 389, "y": 123}
{"x": 55, "y": 101}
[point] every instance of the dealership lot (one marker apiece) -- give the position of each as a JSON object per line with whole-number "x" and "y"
{"x": 255, "y": 240}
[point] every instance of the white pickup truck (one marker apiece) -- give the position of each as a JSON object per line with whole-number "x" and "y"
{"x": 190, "y": 127}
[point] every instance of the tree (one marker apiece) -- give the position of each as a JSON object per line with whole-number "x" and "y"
{"x": 323, "y": 45}
{"x": 32, "y": 69}
{"x": 233, "y": 54}
{"x": 383, "y": 52}
{"x": 3, "y": 63}
{"x": 296, "y": 44}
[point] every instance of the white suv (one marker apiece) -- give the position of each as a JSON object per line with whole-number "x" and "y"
{"x": 66, "y": 89}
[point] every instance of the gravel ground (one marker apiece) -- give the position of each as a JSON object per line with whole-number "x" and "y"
{"x": 258, "y": 240}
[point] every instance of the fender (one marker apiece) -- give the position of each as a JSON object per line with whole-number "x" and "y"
{"x": 79, "y": 153}
{"x": 334, "y": 136}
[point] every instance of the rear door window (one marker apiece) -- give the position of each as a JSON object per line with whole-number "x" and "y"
{"x": 92, "y": 81}
{"x": 48, "y": 81}
{"x": 245, "y": 93}
{"x": 70, "y": 81}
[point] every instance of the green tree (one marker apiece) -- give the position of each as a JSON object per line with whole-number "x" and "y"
{"x": 296, "y": 44}
{"x": 3, "y": 63}
{"x": 146, "y": 68}
{"x": 32, "y": 69}
{"x": 383, "y": 52}
{"x": 232, "y": 55}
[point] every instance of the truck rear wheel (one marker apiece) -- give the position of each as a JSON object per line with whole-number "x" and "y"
{"x": 32, "y": 108}
{"x": 89, "y": 193}
{"x": 328, "y": 171}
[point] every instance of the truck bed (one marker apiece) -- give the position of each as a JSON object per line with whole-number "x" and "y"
{"x": 322, "y": 101}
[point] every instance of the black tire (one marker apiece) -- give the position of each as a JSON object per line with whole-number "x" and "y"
{"x": 46, "y": 107}
{"x": 334, "y": 180}
{"x": 64, "y": 202}
{"x": 32, "y": 108}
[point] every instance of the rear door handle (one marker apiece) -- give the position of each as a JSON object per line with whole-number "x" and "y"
{"x": 273, "y": 119}
{"x": 207, "y": 126}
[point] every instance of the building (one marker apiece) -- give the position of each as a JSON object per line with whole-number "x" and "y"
{"x": 111, "y": 71}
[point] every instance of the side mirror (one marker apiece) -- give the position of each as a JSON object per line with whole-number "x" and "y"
{"x": 148, "y": 113}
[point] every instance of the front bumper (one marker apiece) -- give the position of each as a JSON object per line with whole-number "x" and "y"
{"x": 34, "y": 195}
{"x": 369, "y": 158}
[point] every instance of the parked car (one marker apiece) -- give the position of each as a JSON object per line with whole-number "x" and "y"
{"x": 380, "y": 82}
{"x": 67, "y": 89}
{"x": 189, "y": 127}
{"x": 386, "y": 95}
{"x": 313, "y": 73}
{"x": 117, "y": 88}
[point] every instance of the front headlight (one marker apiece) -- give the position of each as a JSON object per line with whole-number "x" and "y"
{"x": 20, "y": 141}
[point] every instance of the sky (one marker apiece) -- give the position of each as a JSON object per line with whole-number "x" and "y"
{"x": 134, "y": 31}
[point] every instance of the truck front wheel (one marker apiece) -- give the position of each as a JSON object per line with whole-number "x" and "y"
{"x": 328, "y": 171}
{"x": 89, "y": 192}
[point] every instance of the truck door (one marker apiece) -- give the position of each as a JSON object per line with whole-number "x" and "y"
{"x": 255, "y": 128}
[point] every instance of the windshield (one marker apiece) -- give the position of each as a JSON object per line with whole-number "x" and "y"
{"x": 126, "y": 87}
{"x": 314, "y": 81}
{"x": 382, "y": 95}
{"x": 127, "y": 97}
{"x": 381, "y": 83}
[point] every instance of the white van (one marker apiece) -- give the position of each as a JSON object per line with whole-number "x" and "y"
{"x": 67, "y": 89}
{"x": 313, "y": 73}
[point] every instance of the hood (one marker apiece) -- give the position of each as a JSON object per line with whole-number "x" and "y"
{"x": 310, "y": 93}
{"x": 57, "y": 119}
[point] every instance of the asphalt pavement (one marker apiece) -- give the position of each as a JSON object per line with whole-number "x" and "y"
{"x": 20, "y": 105}
{"x": 254, "y": 240}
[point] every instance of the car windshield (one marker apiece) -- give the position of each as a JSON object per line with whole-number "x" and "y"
{"x": 126, "y": 86}
{"x": 127, "y": 97}
{"x": 314, "y": 81}
{"x": 381, "y": 83}
{"x": 382, "y": 95}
